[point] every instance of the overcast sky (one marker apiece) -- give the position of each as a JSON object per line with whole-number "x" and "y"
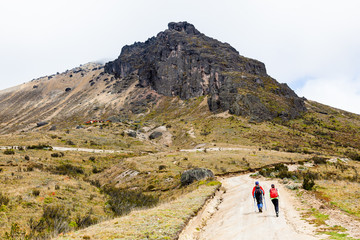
{"x": 313, "y": 46}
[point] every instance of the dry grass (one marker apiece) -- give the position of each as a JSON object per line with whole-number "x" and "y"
{"x": 333, "y": 204}
{"x": 342, "y": 194}
{"x": 76, "y": 195}
{"x": 162, "y": 222}
{"x": 155, "y": 167}
{"x": 172, "y": 164}
{"x": 157, "y": 174}
{"x": 29, "y": 172}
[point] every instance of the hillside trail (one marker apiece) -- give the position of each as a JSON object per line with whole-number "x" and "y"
{"x": 235, "y": 217}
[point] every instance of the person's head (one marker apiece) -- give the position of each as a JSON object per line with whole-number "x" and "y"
{"x": 272, "y": 185}
{"x": 256, "y": 183}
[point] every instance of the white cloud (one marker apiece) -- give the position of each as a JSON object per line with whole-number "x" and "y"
{"x": 340, "y": 92}
{"x": 295, "y": 39}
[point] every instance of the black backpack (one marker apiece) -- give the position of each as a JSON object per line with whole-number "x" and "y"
{"x": 258, "y": 191}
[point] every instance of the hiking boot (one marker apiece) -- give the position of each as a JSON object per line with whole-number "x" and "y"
{"x": 260, "y": 209}
{"x": 277, "y": 214}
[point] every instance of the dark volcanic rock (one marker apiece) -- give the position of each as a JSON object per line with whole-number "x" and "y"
{"x": 114, "y": 119}
{"x": 181, "y": 61}
{"x": 155, "y": 135}
{"x": 195, "y": 174}
{"x": 40, "y": 124}
{"x": 132, "y": 134}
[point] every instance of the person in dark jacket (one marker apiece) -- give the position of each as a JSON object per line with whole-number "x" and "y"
{"x": 258, "y": 193}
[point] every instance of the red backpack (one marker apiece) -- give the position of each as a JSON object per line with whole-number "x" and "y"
{"x": 273, "y": 193}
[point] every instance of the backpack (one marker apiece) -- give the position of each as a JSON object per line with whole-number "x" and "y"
{"x": 273, "y": 193}
{"x": 258, "y": 191}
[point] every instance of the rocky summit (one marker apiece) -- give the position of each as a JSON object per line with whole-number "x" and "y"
{"x": 183, "y": 62}
{"x": 149, "y": 78}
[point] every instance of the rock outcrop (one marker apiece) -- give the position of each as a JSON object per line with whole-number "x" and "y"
{"x": 183, "y": 62}
{"x": 195, "y": 174}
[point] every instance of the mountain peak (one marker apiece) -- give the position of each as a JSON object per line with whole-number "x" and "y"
{"x": 193, "y": 65}
{"x": 183, "y": 27}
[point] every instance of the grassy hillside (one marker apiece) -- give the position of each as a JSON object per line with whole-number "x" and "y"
{"x": 42, "y": 188}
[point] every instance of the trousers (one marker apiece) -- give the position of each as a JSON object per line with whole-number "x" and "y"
{"x": 275, "y": 201}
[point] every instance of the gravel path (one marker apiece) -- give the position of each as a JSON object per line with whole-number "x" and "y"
{"x": 235, "y": 218}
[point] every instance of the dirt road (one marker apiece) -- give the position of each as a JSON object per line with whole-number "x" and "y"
{"x": 236, "y": 219}
{"x": 75, "y": 149}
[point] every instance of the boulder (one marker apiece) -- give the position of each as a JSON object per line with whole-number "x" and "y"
{"x": 132, "y": 134}
{"x": 195, "y": 174}
{"x": 40, "y": 124}
{"x": 155, "y": 135}
{"x": 114, "y": 119}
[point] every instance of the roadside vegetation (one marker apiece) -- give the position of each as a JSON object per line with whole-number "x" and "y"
{"x": 162, "y": 222}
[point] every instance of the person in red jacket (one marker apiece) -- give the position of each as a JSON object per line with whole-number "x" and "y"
{"x": 258, "y": 193}
{"x": 274, "y": 196}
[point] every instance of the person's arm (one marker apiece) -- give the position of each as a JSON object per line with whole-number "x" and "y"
{"x": 263, "y": 191}
{"x": 253, "y": 192}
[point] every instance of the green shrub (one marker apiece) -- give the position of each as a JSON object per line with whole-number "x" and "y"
{"x": 85, "y": 221}
{"x": 54, "y": 220}
{"x": 60, "y": 154}
{"x": 73, "y": 224}
{"x": 285, "y": 174}
{"x": 69, "y": 142}
{"x": 205, "y": 132}
{"x": 40, "y": 147}
{"x": 9, "y": 152}
{"x": 281, "y": 167}
{"x": 35, "y": 192}
{"x": 311, "y": 175}
{"x": 266, "y": 172}
{"x": 4, "y": 200}
{"x": 308, "y": 183}
{"x": 319, "y": 160}
{"x": 307, "y": 151}
{"x": 162, "y": 167}
{"x": 16, "y": 233}
{"x": 33, "y": 165}
{"x": 96, "y": 170}
{"x": 353, "y": 155}
{"x": 67, "y": 169}
{"x": 122, "y": 201}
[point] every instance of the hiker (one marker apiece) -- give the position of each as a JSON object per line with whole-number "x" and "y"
{"x": 258, "y": 193}
{"x": 274, "y": 196}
